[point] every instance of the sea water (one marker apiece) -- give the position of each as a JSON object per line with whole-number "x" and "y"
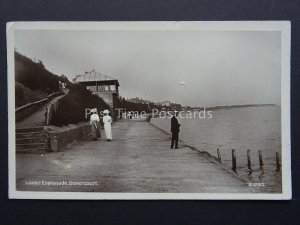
{"x": 255, "y": 128}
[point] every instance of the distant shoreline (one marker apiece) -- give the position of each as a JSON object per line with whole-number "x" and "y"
{"x": 238, "y": 106}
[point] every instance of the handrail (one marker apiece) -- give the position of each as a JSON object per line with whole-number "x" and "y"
{"x": 30, "y": 108}
{"x": 49, "y": 97}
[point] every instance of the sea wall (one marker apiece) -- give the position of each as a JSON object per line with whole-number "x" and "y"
{"x": 59, "y": 138}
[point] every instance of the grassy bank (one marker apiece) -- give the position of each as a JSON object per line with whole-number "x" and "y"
{"x": 33, "y": 80}
{"x": 71, "y": 108}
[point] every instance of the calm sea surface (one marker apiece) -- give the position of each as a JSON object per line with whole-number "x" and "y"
{"x": 244, "y": 128}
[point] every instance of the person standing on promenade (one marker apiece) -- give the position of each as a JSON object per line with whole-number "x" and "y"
{"x": 107, "y": 125}
{"x": 175, "y": 131}
{"x": 95, "y": 125}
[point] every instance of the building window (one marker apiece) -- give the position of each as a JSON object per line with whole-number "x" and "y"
{"x": 112, "y": 87}
{"x": 101, "y": 88}
{"x": 92, "y": 88}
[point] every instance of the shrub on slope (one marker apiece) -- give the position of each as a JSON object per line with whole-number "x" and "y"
{"x": 24, "y": 95}
{"x": 71, "y": 108}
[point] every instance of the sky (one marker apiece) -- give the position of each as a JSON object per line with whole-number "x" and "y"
{"x": 217, "y": 67}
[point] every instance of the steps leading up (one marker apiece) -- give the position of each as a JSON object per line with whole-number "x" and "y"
{"x": 32, "y": 140}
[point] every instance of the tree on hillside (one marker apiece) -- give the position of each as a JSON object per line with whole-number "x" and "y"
{"x": 40, "y": 64}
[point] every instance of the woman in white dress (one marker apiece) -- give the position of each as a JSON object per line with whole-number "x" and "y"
{"x": 107, "y": 125}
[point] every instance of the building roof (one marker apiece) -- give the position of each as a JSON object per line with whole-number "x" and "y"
{"x": 93, "y": 76}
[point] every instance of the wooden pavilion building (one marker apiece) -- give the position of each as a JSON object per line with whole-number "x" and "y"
{"x": 104, "y": 86}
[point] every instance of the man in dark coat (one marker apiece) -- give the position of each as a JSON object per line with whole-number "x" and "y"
{"x": 175, "y": 131}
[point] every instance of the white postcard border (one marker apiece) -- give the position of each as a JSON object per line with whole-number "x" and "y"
{"x": 283, "y": 26}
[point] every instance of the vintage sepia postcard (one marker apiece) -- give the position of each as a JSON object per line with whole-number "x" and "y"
{"x": 149, "y": 110}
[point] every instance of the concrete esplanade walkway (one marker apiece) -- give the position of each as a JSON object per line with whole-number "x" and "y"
{"x": 138, "y": 159}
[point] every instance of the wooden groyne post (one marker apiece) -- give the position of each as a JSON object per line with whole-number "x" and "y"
{"x": 249, "y": 160}
{"x": 233, "y": 154}
{"x": 260, "y": 159}
{"x": 278, "y": 166}
{"x": 219, "y": 155}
